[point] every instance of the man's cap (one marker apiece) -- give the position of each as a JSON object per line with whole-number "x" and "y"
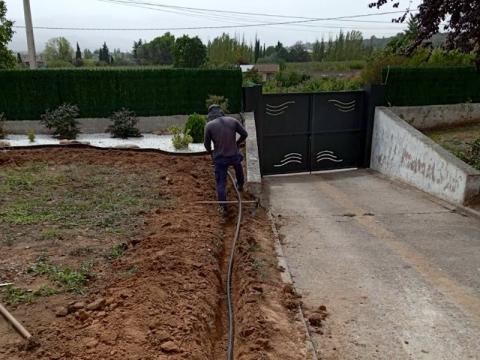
{"x": 214, "y": 106}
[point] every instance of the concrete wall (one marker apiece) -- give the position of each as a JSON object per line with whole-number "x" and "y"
{"x": 404, "y": 153}
{"x": 150, "y": 124}
{"x": 254, "y": 178}
{"x": 438, "y": 116}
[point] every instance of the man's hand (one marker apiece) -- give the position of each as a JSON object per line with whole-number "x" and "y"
{"x": 241, "y": 144}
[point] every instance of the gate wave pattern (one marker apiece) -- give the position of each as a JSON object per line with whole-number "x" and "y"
{"x": 344, "y": 106}
{"x": 328, "y": 155}
{"x": 291, "y": 158}
{"x": 278, "y": 110}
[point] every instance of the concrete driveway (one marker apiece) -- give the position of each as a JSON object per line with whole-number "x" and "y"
{"x": 398, "y": 270}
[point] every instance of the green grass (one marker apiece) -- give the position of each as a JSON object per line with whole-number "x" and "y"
{"x": 45, "y": 202}
{"x": 65, "y": 278}
{"x": 15, "y": 295}
{"x": 51, "y": 234}
{"x": 115, "y": 252}
{"x": 315, "y": 68}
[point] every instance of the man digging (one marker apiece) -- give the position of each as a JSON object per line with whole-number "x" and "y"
{"x": 222, "y": 130}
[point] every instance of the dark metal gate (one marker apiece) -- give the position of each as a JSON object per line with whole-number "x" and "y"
{"x": 312, "y": 132}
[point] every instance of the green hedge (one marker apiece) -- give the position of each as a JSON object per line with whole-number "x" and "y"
{"x": 27, "y": 94}
{"x": 431, "y": 86}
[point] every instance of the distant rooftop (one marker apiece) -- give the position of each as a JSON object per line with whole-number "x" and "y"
{"x": 267, "y": 68}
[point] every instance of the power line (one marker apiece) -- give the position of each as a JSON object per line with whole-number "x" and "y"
{"x": 128, "y": 2}
{"x": 311, "y": 20}
{"x": 204, "y": 13}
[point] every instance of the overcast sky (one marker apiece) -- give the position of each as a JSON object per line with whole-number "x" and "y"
{"x": 100, "y": 14}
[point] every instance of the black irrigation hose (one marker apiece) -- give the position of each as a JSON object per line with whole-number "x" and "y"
{"x": 231, "y": 320}
{"x": 85, "y": 146}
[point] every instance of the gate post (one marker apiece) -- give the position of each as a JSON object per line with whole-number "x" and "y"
{"x": 251, "y": 97}
{"x": 253, "y": 102}
{"x": 375, "y": 97}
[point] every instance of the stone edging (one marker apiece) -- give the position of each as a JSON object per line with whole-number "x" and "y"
{"x": 254, "y": 177}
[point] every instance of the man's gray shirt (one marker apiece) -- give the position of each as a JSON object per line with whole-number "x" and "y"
{"x": 223, "y": 132}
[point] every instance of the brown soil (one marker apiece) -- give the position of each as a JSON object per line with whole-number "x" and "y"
{"x": 173, "y": 305}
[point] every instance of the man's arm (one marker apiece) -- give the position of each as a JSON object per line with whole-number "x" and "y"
{"x": 243, "y": 133}
{"x": 208, "y": 140}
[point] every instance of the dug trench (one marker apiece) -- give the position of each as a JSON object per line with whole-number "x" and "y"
{"x": 164, "y": 297}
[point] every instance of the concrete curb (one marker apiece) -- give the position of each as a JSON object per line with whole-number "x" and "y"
{"x": 254, "y": 177}
{"x": 287, "y": 279}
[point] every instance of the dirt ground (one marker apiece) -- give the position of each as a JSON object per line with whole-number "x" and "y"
{"x": 145, "y": 281}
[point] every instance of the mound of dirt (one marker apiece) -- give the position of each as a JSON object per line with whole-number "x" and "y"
{"x": 165, "y": 297}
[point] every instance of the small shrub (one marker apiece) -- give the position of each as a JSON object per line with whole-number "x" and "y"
{"x": 195, "y": 126}
{"x": 62, "y": 121}
{"x": 180, "y": 139}
{"x": 219, "y": 100}
{"x": 124, "y": 124}
{"x": 3, "y": 132}
{"x": 291, "y": 78}
{"x": 31, "y": 135}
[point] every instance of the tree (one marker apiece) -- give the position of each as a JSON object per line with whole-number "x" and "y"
{"x": 189, "y": 52}
{"x": 462, "y": 23}
{"x": 58, "y": 52}
{"x": 298, "y": 53}
{"x": 87, "y": 54}
{"x": 159, "y": 51}
{"x": 104, "y": 54}
{"x": 7, "y": 59}
{"x": 136, "y": 45}
{"x": 225, "y": 50}
{"x": 120, "y": 58}
{"x": 317, "y": 54}
{"x": 280, "y": 52}
{"x": 257, "y": 51}
{"x": 78, "y": 56}
{"x": 400, "y": 43}
{"x": 269, "y": 51}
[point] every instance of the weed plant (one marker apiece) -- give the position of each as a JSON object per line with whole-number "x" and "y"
{"x": 180, "y": 139}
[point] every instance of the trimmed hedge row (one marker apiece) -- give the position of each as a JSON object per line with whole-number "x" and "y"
{"x": 431, "y": 86}
{"x": 27, "y": 94}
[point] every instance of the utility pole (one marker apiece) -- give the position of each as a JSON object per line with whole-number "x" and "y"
{"x": 30, "y": 39}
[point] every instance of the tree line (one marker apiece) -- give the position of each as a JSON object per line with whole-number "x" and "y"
{"x": 184, "y": 51}
{"x": 222, "y": 51}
